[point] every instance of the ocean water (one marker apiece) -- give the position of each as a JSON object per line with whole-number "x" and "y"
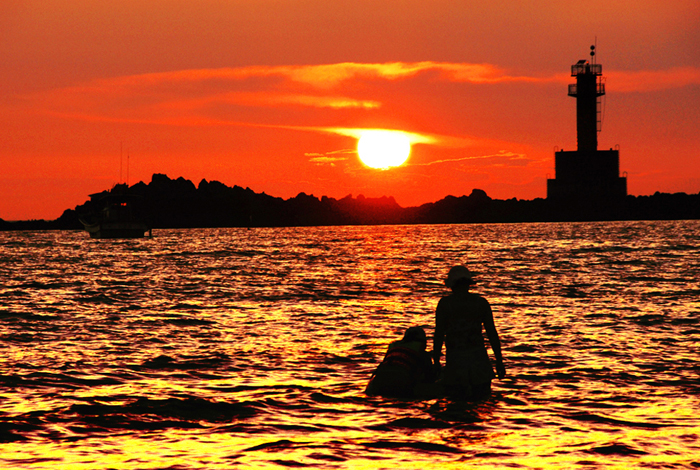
{"x": 251, "y": 348}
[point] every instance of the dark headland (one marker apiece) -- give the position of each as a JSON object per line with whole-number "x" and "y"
{"x": 178, "y": 203}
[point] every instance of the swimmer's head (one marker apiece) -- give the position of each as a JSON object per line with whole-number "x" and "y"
{"x": 415, "y": 333}
{"x": 459, "y": 274}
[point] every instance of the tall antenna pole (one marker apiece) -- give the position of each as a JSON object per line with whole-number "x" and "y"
{"x": 121, "y": 160}
{"x": 593, "y": 49}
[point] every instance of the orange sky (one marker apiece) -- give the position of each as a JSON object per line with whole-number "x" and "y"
{"x": 266, "y": 94}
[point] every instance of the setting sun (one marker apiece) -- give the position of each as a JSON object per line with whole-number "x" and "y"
{"x": 383, "y": 149}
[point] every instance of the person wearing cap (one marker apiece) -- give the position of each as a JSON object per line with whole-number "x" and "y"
{"x": 405, "y": 365}
{"x": 459, "y": 319}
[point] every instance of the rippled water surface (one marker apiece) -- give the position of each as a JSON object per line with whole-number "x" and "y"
{"x": 240, "y": 348}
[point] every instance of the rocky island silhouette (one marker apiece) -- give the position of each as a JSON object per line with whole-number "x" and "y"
{"x": 178, "y": 203}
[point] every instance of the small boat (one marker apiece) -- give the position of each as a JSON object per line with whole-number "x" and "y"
{"x": 111, "y": 214}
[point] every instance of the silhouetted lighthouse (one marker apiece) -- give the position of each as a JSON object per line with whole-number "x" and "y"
{"x": 587, "y": 175}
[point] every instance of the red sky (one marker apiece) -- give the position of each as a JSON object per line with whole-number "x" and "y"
{"x": 269, "y": 94}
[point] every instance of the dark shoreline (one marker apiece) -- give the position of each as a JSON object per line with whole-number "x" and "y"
{"x": 168, "y": 203}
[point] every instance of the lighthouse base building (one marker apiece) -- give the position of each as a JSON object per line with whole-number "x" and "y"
{"x": 587, "y": 175}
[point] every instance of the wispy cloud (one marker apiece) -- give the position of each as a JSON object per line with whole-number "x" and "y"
{"x": 654, "y": 80}
{"x": 229, "y": 96}
{"x": 503, "y": 158}
{"x": 272, "y": 99}
{"x": 330, "y": 157}
{"x": 413, "y": 137}
{"x": 327, "y": 76}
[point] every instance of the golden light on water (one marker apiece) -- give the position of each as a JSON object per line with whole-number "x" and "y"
{"x": 251, "y": 348}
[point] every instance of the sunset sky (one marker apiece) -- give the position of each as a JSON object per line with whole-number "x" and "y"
{"x": 273, "y": 95}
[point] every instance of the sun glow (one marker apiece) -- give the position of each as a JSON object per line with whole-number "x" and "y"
{"x": 383, "y": 149}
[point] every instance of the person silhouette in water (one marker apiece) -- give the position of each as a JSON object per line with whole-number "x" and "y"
{"x": 405, "y": 365}
{"x": 459, "y": 318}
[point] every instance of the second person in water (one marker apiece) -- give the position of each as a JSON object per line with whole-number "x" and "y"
{"x": 405, "y": 365}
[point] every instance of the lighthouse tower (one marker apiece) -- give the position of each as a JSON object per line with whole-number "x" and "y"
{"x": 587, "y": 176}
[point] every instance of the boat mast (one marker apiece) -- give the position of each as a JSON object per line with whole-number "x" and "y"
{"x": 121, "y": 160}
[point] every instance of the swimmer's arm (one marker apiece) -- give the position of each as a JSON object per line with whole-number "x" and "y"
{"x": 494, "y": 340}
{"x": 439, "y": 334}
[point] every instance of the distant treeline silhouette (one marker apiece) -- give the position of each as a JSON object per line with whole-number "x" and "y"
{"x": 178, "y": 203}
